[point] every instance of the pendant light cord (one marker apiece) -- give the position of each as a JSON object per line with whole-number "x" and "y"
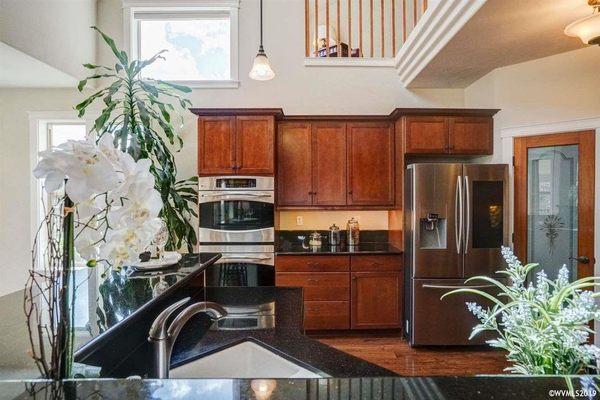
{"x": 261, "y": 26}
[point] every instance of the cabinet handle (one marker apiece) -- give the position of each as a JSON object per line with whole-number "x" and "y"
{"x": 354, "y": 278}
{"x": 312, "y": 264}
{"x": 312, "y": 280}
{"x": 375, "y": 264}
{"x": 350, "y": 192}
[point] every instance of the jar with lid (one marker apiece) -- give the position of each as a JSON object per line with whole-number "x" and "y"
{"x": 353, "y": 232}
{"x": 315, "y": 239}
{"x": 334, "y": 235}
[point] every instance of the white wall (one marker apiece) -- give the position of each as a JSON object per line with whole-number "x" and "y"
{"x": 557, "y": 88}
{"x": 546, "y": 95}
{"x": 298, "y": 89}
{"x": 55, "y": 32}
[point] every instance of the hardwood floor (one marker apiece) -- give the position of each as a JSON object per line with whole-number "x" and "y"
{"x": 395, "y": 354}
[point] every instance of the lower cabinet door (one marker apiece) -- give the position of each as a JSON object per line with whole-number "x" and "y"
{"x": 330, "y": 286}
{"x": 326, "y": 315}
{"x": 376, "y": 300}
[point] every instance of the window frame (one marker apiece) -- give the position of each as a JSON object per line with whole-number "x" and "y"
{"x": 186, "y": 10}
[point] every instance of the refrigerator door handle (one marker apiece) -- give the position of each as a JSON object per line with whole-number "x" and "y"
{"x": 467, "y": 212}
{"x": 458, "y": 220}
{"x": 457, "y": 287}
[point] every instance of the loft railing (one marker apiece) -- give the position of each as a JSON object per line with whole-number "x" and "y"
{"x": 359, "y": 28}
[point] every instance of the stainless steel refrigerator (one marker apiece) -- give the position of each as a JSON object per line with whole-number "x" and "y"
{"x": 456, "y": 219}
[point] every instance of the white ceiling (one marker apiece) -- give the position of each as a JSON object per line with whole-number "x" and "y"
{"x": 18, "y": 70}
{"x": 501, "y": 33}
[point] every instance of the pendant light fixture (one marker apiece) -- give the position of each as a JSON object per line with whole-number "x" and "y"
{"x": 588, "y": 28}
{"x": 261, "y": 69}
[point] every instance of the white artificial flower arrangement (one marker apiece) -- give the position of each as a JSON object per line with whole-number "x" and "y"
{"x": 544, "y": 327}
{"x": 115, "y": 203}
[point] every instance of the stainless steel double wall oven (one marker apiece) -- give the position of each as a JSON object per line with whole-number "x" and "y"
{"x": 237, "y": 219}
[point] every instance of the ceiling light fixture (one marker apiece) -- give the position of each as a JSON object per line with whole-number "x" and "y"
{"x": 588, "y": 28}
{"x": 261, "y": 69}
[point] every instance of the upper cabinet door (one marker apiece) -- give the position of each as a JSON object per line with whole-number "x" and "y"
{"x": 216, "y": 145}
{"x": 254, "y": 143}
{"x": 329, "y": 164}
{"x": 294, "y": 183}
{"x": 426, "y": 135}
{"x": 471, "y": 135}
{"x": 370, "y": 164}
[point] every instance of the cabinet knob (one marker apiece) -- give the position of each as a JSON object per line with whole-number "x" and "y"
{"x": 313, "y": 281}
{"x": 349, "y": 191}
{"x": 354, "y": 278}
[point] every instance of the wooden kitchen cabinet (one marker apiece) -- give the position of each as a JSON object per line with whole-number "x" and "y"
{"x": 329, "y": 164}
{"x": 426, "y": 135}
{"x": 370, "y": 164}
{"x": 216, "y": 145}
{"x": 321, "y": 315}
{"x": 240, "y": 145}
{"x": 294, "y": 164}
{"x": 254, "y": 145}
{"x": 376, "y": 299}
{"x": 342, "y": 292}
{"x": 450, "y": 135}
{"x": 470, "y": 135}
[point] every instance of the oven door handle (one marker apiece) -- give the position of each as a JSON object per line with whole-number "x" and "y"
{"x": 238, "y": 194}
{"x": 244, "y": 258}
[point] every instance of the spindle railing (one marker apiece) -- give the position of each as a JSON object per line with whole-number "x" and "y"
{"x": 359, "y": 28}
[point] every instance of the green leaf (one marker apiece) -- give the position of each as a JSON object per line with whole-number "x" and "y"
{"x": 121, "y": 55}
{"x": 181, "y": 88}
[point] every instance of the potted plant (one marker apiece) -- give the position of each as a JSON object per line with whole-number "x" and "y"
{"x": 139, "y": 113}
{"x": 543, "y": 326}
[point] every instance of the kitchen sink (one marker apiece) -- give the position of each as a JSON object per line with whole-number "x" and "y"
{"x": 244, "y": 360}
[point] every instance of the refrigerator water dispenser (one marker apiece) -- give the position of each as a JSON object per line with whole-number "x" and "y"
{"x": 433, "y": 232}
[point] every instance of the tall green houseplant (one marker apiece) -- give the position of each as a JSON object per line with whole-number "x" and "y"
{"x": 139, "y": 113}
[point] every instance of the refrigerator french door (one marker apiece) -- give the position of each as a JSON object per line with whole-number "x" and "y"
{"x": 455, "y": 222}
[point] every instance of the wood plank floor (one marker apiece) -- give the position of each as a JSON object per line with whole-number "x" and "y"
{"x": 396, "y": 355}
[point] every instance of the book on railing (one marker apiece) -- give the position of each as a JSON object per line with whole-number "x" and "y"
{"x": 333, "y": 51}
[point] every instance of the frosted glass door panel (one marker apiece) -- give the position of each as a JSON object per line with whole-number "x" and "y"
{"x": 552, "y": 207}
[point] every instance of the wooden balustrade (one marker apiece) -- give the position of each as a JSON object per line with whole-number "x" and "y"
{"x": 342, "y": 28}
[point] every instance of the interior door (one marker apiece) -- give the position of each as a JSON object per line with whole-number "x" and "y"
{"x": 485, "y": 217}
{"x": 436, "y": 216}
{"x": 294, "y": 183}
{"x": 554, "y": 201}
{"x": 329, "y": 164}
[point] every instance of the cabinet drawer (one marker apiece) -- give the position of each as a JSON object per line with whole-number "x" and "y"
{"x": 376, "y": 263}
{"x": 324, "y": 286}
{"x": 312, "y": 263}
{"x": 326, "y": 315}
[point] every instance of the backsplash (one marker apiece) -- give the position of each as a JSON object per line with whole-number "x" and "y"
{"x": 322, "y": 220}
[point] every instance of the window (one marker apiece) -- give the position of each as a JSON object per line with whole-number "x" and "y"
{"x": 201, "y": 43}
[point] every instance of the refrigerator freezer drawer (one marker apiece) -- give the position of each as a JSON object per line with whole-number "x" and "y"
{"x": 447, "y": 321}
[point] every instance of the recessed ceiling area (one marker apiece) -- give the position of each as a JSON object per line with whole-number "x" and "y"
{"x": 501, "y": 33}
{"x": 18, "y": 70}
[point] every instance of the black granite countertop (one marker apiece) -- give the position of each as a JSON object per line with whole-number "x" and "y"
{"x": 286, "y": 338}
{"x": 427, "y": 388}
{"x": 288, "y": 248}
{"x": 371, "y": 242}
{"x": 108, "y": 303}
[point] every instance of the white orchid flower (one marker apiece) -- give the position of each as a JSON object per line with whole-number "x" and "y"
{"x": 116, "y": 202}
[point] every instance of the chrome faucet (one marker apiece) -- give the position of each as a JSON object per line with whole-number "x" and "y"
{"x": 163, "y": 337}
